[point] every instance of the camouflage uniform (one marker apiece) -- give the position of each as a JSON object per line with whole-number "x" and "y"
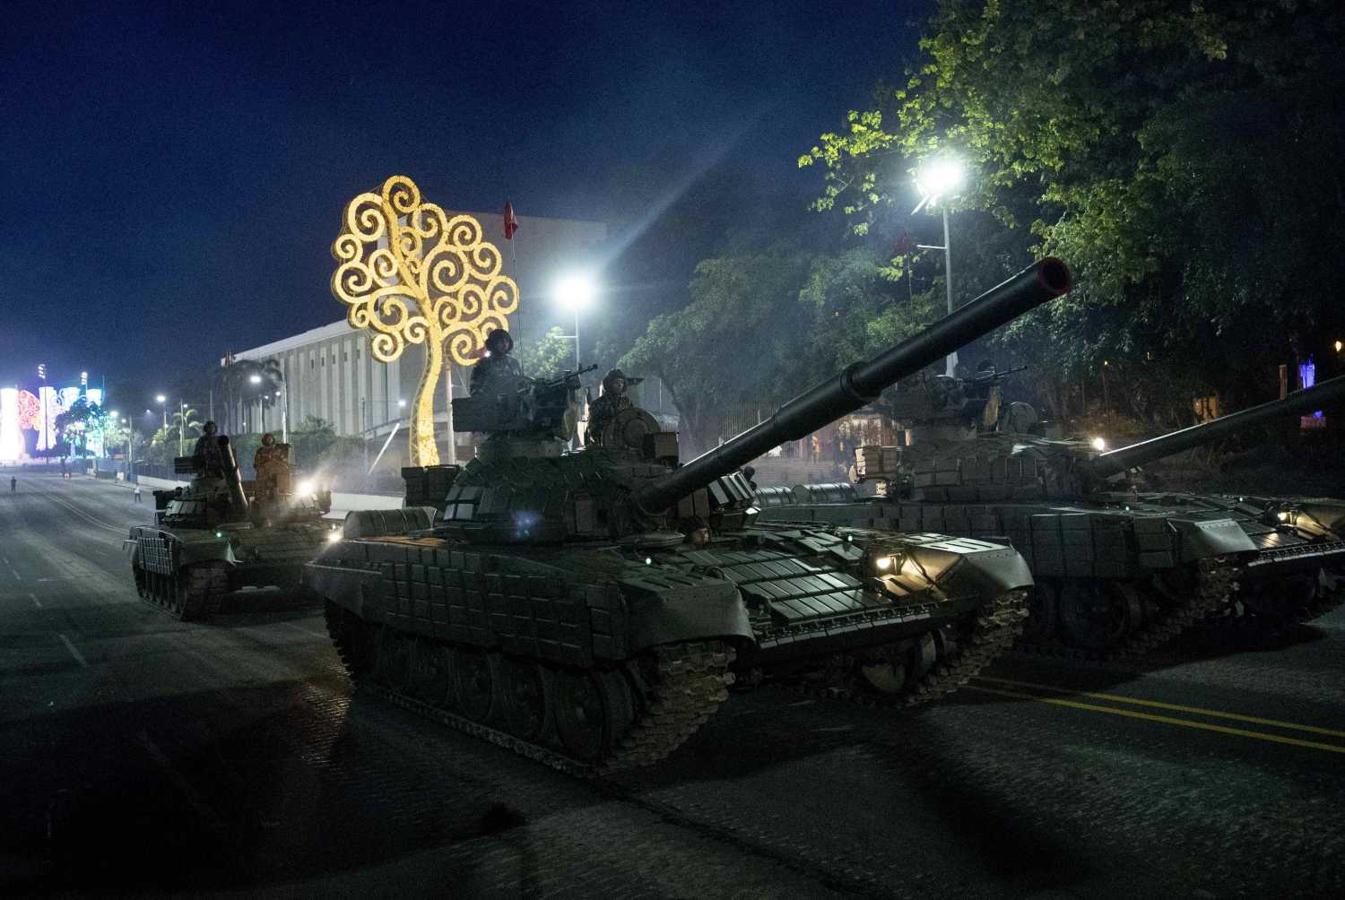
{"x": 602, "y": 411}
{"x": 497, "y": 367}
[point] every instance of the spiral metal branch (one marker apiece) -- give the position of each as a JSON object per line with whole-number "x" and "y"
{"x": 409, "y": 274}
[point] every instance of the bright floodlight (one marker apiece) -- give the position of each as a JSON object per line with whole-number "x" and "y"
{"x": 576, "y": 291}
{"x": 940, "y": 177}
{"x": 255, "y": 379}
{"x": 160, "y": 398}
{"x": 1099, "y": 444}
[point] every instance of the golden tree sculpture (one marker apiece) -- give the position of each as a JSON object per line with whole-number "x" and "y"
{"x": 411, "y": 275}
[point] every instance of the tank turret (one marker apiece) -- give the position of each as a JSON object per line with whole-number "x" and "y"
{"x": 633, "y": 484}
{"x": 967, "y": 444}
{"x": 1098, "y": 538}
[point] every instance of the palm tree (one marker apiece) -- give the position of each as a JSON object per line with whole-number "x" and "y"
{"x": 184, "y": 419}
{"x": 249, "y": 380}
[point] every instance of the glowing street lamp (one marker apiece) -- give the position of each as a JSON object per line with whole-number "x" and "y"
{"x": 937, "y": 178}
{"x": 161, "y": 400}
{"x": 576, "y": 292}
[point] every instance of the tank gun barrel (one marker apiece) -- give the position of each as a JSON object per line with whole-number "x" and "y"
{"x": 861, "y": 383}
{"x": 1299, "y": 402}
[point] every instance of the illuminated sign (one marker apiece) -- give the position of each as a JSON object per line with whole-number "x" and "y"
{"x": 11, "y": 435}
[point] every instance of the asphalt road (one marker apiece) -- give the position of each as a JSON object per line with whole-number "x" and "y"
{"x": 140, "y": 754}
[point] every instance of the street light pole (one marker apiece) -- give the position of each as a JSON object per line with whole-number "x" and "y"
{"x": 577, "y": 364}
{"x": 951, "y": 361}
{"x": 940, "y": 178}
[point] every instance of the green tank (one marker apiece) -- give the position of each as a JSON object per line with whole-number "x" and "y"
{"x": 220, "y": 533}
{"x": 591, "y": 609}
{"x": 1119, "y": 568}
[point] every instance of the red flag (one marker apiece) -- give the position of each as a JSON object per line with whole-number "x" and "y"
{"x": 510, "y": 221}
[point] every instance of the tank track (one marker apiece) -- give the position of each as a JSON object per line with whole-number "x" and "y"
{"x": 692, "y": 681}
{"x": 1255, "y": 628}
{"x": 1215, "y": 581}
{"x": 1327, "y": 599}
{"x": 195, "y": 594}
{"x": 993, "y": 631}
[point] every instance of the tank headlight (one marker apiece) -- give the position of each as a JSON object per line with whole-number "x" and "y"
{"x": 333, "y": 536}
{"x": 1099, "y": 444}
{"x": 884, "y": 563}
{"x": 306, "y": 487}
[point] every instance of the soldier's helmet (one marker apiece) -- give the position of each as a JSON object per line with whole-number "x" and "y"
{"x": 268, "y": 439}
{"x": 210, "y": 427}
{"x": 499, "y": 342}
{"x": 609, "y": 381}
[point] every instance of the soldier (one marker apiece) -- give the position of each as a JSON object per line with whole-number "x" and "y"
{"x": 602, "y": 411}
{"x": 207, "y": 449}
{"x": 271, "y": 465}
{"x": 498, "y": 367}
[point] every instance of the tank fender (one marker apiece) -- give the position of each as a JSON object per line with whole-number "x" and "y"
{"x": 1214, "y": 537}
{"x": 973, "y": 565}
{"x": 666, "y": 607}
{"x": 358, "y": 590}
{"x": 1320, "y": 517}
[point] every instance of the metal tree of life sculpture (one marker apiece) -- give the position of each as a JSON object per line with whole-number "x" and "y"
{"x": 412, "y": 275}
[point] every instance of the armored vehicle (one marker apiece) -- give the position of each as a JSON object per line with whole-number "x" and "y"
{"x": 1119, "y": 568}
{"x": 591, "y": 609}
{"x": 220, "y": 533}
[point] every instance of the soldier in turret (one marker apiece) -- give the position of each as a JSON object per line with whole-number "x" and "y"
{"x": 497, "y": 368}
{"x": 207, "y": 450}
{"x": 271, "y": 463}
{"x": 602, "y": 411}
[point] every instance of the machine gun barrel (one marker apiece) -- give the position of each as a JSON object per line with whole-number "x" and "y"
{"x": 861, "y": 383}
{"x": 1299, "y": 402}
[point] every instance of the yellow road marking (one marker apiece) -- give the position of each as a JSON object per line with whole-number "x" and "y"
{"x": 1166, "y": 720}
{"x": 1174, "y": 707}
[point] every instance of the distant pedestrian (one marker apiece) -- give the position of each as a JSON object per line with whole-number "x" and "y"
{"x": 137, "y": 493}
{"x": 13, "y": 484}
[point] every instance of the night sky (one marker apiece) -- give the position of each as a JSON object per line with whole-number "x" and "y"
{"x": 173, "y": 174}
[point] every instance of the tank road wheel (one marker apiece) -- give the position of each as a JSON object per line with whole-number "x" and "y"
{"x": 593, "y": 711}
{"x": 431, "y": 673}
{"x": 475, "y": 683}
{"x": 525, "y": 696}
{"x": 1043, "y": 616}
{"x": 886, "y": 673}
{"x": 1098, "y": 617}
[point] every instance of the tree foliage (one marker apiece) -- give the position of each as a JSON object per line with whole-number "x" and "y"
{"x": 760, "y": 328}
{"x": 548, "y": 357}
{"x": 1183, "y": 158}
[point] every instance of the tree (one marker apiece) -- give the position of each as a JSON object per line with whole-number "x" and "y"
{"x": 1181, "y": 157}
{"x": 77, "y": 424}
{"x": 412, "y": 275}
{"x": 183, "y": 422}
{"x": 548, "y": 357}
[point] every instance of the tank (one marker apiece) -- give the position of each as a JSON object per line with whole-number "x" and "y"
{"x": 592, "y": 609}
{"x": 221, "y": 533}
{"x": 1120, "y": 567}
